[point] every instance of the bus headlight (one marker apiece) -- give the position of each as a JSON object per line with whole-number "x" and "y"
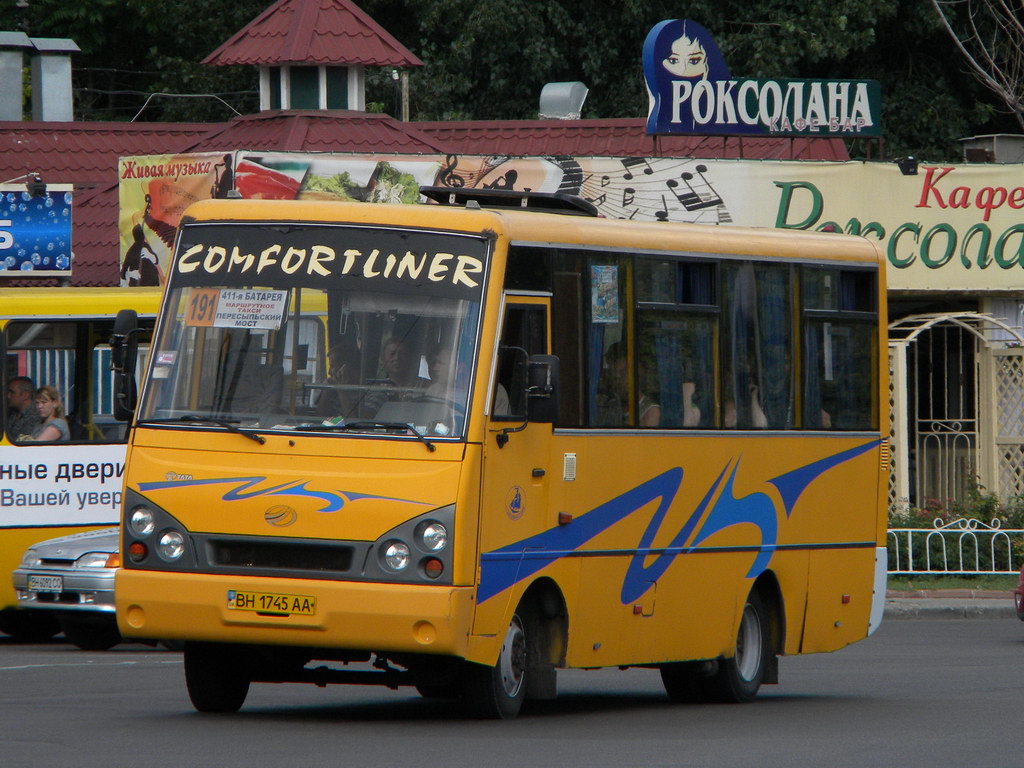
{"x": 171, "y": 546}
{"x": 433, "y": 536}
{"x": 141, "y": 521}
{"x": 396, "y": 555}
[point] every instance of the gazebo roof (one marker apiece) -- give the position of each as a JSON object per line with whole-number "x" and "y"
{"x": 331, "y": 32}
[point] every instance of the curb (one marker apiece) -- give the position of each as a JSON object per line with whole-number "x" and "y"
{"x": 949, "y": 604}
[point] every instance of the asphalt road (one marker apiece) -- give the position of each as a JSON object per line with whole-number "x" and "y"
{"x": 918, "y": 693}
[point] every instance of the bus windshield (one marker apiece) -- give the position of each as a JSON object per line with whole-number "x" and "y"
{"x": 330, "y": 329}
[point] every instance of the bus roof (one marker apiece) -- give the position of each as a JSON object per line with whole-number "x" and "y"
{"x": 524, "y": 226}
{"x": 27, "y": 302}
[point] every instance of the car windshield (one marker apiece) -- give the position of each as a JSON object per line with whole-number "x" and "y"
{"x": 318, "y": 328}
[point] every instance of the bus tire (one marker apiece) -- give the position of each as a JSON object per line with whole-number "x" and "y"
{"x": 215, "y": 679}
{"x": 498, "y": 692}
{"x": 91, "y": 635}
{"x": 684, "y": 681}
{"x": 738, "y": 677}
{"x": 450, "y": 690}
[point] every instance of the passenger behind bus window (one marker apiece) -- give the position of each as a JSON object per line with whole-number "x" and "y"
{"x": 612, "y": 398}
{"x": 53, "y": 427}
{"x": 648, "y": 407}
{"x": 691, "y": 413}
{"x": 22, "y": 414}
{"x": 754, "y": 417}
{"x": 343, "y": 372}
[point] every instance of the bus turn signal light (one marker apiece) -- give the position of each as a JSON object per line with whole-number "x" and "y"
{"x": 432, "y": 567}
{"x": 137, "y": 551}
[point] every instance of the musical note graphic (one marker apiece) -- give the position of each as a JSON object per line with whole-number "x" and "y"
{"x": 628, "y": 196}
{"x": 662, "y": 213}
{"x": 448, "y": 177}
{"x": 692, "y": 199}
{"x": 632, "y": 162}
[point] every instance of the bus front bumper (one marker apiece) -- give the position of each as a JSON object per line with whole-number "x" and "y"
{"x": 373, "y": 617}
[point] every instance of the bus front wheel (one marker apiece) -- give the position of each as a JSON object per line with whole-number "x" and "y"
{"x": 498, "y": 691}
{"x": 739, "y": 677}
{"x": 216, "y": 680}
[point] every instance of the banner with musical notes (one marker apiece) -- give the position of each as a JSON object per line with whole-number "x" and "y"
{"x": 949, "y": 227}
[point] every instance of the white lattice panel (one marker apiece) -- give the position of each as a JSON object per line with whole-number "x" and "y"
{"x": 1009, "y": 411}
{"x": 1011, "y": 471}
{"x": 1010, "y": 395}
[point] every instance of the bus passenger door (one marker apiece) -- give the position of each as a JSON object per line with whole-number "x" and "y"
{"x": 516, "y": 469}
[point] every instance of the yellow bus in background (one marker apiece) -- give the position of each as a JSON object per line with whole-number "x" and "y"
{"x": 540, "y": 439}
{"x": 60, "y": 337}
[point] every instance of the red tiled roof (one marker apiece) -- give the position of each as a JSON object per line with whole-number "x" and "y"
{"x": 318, "y": 131}
{"x": 85, "y": 155}
{"x": 621, "y": 137}
{"x": 313, "y": 32}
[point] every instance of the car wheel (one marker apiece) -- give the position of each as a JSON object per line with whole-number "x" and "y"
{"x": 216, "y": 680}
{"x": 497, "y": 692}
{"x": 738, "y": 678}
{"x": 28, "y": 626}
{"x": 91, "y": 635}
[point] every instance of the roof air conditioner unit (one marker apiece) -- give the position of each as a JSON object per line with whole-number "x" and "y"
{"x": 562, "y": 101}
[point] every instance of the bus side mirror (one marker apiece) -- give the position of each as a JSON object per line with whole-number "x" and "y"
{"x": 124, "y": 347}
{"x": 542, "y": 384}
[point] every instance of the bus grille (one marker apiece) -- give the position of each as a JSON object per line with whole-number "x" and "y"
{"x": 279, "y": 555}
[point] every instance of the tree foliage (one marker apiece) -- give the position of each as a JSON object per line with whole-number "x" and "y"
{"x": 489, "y": 59}
{"x": 134, "y": 49}
{"x": 989, "y": 34}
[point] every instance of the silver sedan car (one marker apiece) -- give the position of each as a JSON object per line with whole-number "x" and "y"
{"x": 72, "y": 578}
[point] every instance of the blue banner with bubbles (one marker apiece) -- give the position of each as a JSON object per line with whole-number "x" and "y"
{"x": 35, "y": 230}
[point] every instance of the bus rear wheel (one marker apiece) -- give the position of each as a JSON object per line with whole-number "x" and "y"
{"x": 216, "y": 679}
{"x": 738, "y": 678}
{"x": 497, "y": 692}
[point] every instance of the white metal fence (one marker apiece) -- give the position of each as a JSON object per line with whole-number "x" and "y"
{"x": 958, "y": 547}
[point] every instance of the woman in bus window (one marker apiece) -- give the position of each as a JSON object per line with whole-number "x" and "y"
{"x": 53, "y": 427}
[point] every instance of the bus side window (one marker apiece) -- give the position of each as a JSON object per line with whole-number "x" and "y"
{"x": 524, "y": 328}
{"x": 74, "y": 358}
{"x": 758, "y": 390}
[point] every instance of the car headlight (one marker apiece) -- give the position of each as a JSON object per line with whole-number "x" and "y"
{"x": 396, "y": 555}
{"x": 171, "y": 545}
{"x": 141, "y": 521}
{"x": 30, "y": 559}
{"x": 93, "y": 560}
{"x": 433, "y": 536}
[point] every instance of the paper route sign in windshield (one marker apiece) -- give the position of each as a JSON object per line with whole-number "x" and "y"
{"x": 280, "y": 256}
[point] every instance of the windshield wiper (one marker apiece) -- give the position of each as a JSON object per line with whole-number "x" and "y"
{"x": 191, "y": 417}
{"x": 354, "y": 426}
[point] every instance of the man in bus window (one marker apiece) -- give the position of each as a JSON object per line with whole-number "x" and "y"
{"x": 22, "y": 415}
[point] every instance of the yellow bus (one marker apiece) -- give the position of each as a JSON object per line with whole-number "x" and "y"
{"x": 460, "y": 446}
{"x": 59, "y": 337}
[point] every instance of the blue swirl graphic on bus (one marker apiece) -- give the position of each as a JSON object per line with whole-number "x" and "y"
{"x": 504, "y": 567}
{"x": 333, "y": 500}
